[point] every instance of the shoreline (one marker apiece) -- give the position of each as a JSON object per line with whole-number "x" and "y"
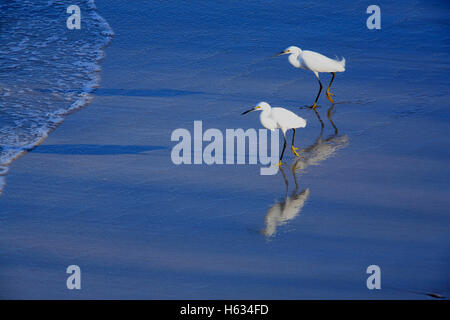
{"x": 58, "y": 116}
{"x": 102, "y": 192}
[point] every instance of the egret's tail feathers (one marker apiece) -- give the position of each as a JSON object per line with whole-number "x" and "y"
{"x": 342, "y": 63}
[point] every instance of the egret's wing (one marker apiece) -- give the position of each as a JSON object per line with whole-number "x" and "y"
{"x": 268, "y": 122}
{"x": 317, "y": 62}
{"x": 287, "y": 119}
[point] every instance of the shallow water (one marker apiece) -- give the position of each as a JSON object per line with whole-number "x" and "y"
{"x": 371, "y": 188}
{"x": 46, "y": 70}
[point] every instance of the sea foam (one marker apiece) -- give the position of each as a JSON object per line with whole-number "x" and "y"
{"x": 46, "y": 70}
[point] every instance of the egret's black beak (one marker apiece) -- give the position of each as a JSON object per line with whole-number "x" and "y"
{"x": 278, "y": 54}
{"x": 245, "y": 112}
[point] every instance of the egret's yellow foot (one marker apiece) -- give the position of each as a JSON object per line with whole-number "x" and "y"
{"x": 294, "y": 151}
{"x": 314, "y": 106}
{"x": 329, "y": 94}
{"x": 279, "y": 164}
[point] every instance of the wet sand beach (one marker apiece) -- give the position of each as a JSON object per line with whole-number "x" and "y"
{"x": 102, "y": 192}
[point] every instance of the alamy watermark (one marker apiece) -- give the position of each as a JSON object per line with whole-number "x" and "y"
{"x": 374, "y": 280}
{"x": 226, "y": 149}
{"x": 74, "y": 280}
{"x": 74, "y": 20}
{"x": 374, "y": 20}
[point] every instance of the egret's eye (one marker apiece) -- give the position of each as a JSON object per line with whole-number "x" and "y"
{"x": 257, "y": 107}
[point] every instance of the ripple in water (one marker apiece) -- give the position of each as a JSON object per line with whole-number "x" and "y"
{"x": 46, "y": 70}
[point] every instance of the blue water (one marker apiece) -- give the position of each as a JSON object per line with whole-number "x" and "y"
{"x": 46, "y": 70}
{"x": 372, "y": 187}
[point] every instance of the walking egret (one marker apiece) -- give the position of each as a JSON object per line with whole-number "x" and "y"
{"x": 316, "y": 63}
{"x": 279, "y": 118}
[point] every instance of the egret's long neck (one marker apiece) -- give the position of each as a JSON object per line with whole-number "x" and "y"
{"x": 293, "y": 59}
{"x": 264, "y": 114}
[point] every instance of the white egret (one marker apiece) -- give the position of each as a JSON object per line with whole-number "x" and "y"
{"x": 279, "y": 118}
{"x": 316, "y": 63}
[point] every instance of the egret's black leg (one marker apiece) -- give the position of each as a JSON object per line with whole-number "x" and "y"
{"x": 317, "y": 98}
{"x": 282, "y": 152}
{"x": 329, "y": 94}
{"x": 294, "y": 149}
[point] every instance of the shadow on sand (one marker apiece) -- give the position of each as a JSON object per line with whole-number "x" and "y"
{"x": 144, "y": 92}
{"x": 94, "y": 149}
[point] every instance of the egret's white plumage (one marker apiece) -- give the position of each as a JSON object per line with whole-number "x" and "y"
{"x": 315, "y": 62}
{"x": 279, "y": 118}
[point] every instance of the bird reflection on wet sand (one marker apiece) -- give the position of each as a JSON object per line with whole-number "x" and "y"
{"x": 322, "y": 148}
{"x": 284, "y": 211}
